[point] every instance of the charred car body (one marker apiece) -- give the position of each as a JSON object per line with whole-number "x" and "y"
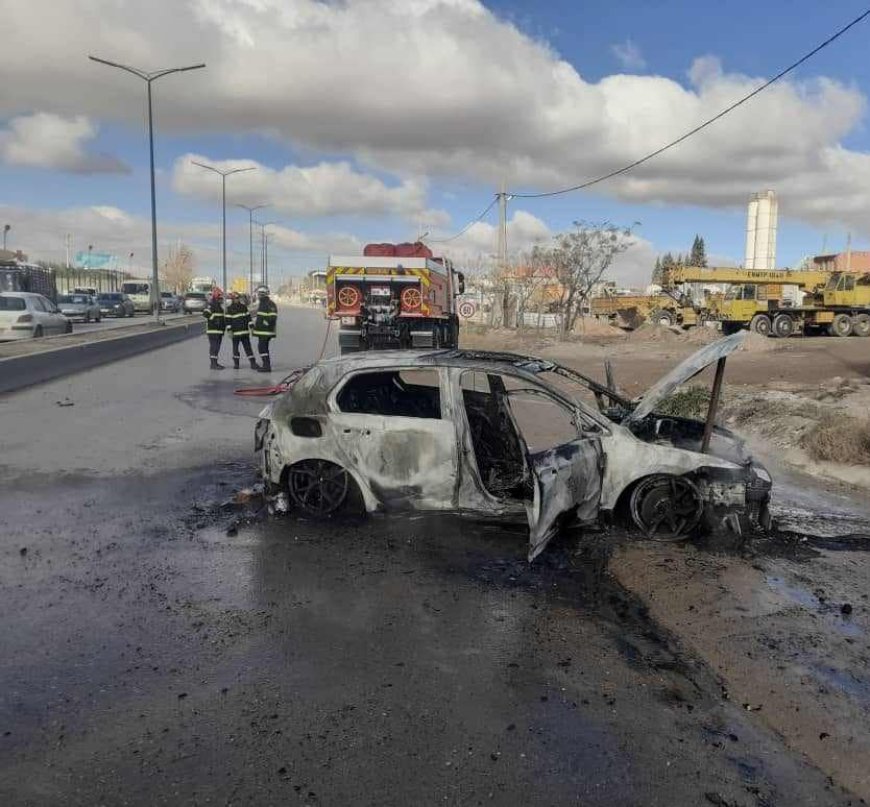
{"x": 499, "y": 435}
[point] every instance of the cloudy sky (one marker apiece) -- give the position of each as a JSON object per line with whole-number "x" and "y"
{"x": 380, "y": 119}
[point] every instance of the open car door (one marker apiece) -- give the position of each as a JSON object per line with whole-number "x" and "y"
{"x": 565, "y": 459}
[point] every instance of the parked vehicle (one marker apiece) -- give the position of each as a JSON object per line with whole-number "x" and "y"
{"x": 79, "y": 306}
{"x": 203, "y": 285}
{"x": 24, "y": 315}
{"x": 194, "y": 301}
{"x": 139, "y": 292}
{"x": 115, "y": 304}
{"x": 500, "y": 435}
{"x": 169, "y": 302}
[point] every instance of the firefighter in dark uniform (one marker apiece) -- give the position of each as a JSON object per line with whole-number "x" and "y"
{"x": 239, "y": 326}
{"x": 265, "y": 325}
{"x": 216, "y": 324}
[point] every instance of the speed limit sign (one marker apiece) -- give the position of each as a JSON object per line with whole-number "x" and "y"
{"x": 466, "y": 309}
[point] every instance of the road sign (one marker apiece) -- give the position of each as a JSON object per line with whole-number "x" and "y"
{"x": 467, "y": 309}
{"x": 96, "y": 260}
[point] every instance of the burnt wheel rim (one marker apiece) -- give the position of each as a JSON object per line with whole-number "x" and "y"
{"x": 666, "y": 508}
{"x": 318, "y": 487}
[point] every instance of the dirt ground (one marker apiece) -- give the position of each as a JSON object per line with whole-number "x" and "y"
{"x": 782, "y": 623}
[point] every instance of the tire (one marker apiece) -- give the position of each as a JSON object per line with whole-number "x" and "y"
{"x": 861, "y": 325}
{"x": 666, "y": 507}
{"x": 318, "y": 488}
{"x": 87, "y": 317}
{"x": 37, "y": 332}
{"x": 783, "y": 326}
{"x": 69, "y": 327}
{"x": 661, "y": 317}
{"x": 760, "y": 323}
{"x": 841, "y": 326}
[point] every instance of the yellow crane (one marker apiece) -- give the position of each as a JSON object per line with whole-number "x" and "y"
{"x": 839, "y": 301}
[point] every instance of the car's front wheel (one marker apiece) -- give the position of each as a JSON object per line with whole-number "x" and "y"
{"x": 665, "y": 507}
{"x": 317, "y": 487}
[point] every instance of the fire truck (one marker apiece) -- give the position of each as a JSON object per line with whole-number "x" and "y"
{"x": 393, "y": 295}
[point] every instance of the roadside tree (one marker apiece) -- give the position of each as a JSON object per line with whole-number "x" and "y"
{"x": 179, "y": 267}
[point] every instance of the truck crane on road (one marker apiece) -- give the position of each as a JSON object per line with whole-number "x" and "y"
{"x": 839, "y": 302}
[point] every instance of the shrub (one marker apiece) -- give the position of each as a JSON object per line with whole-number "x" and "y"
{"x": 691, "y": 402}
{"x": 840, "y": 438}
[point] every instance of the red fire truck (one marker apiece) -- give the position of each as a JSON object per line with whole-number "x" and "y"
{"x": 393, "y": 295}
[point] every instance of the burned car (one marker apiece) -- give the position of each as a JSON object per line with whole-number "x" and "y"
{"x": 498, "y": 435}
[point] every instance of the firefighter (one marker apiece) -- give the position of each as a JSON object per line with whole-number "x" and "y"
{"x": 216, "y": 324}
{"x": 239, "y": 326}
{"x": 265, "y": 324}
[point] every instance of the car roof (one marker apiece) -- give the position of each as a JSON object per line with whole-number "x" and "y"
{"x": 383, "y": 359}
{"x": 24, "y": 294}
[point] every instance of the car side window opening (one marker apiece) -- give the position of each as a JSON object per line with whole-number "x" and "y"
{"x": 497, "y": 446}
{"x": 37, "y": 303}
{"x": 393, "y": 393}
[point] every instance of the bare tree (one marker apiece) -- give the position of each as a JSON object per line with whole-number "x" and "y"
{"x": 178, "y": 268}
{"x": 580, "y": 257}
{"x": 531, "y": 279}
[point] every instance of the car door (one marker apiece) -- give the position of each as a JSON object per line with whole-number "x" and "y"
{"x": 565, "y": 458}
{"x": 55, "y": 321}
{"x": 395, "y": 430}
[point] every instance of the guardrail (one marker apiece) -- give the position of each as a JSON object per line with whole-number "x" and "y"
{"x": 18, "y": 372}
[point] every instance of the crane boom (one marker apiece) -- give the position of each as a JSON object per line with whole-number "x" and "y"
{"x": 730, "y": 274}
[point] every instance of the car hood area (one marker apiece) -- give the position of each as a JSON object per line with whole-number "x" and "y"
{"x": 683, "y": 372}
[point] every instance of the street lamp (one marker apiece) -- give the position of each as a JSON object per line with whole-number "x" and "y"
{"x": 6, "y": 229}
{"x": 251, "y": 235}
{"x": 223, "y": 174}
{"x": 149, "y": 78}
{"x": 264, "y": 266}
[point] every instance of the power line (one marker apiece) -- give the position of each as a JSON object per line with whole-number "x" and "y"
{"x": 468, "y": 226}
{"x": 706, "y": 123}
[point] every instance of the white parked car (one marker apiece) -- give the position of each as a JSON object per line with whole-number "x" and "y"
{"x": 25, "y": 315}
{"x": 501, "y": 435}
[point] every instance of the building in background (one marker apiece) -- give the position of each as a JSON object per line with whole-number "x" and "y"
{"x": 762, "y": 217}
{"x": 852, "y": 260}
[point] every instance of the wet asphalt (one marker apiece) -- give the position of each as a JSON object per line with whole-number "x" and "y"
{"x": 166, "y": 643}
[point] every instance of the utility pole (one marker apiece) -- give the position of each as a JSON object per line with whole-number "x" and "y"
{"x": 224, "y": 173}
{"x": 264, "y": 260}
{"x": 149, "y": 79}
{"x": 68, "y": 244}
{"x": 849, "y": 252}
{"x": 502, "y": 227}
{"x": 251, "y": 210}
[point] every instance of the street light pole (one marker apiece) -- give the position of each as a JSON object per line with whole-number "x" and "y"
{"x": 6, "y": 229}
{"x": 149, "y": 78}
{"x": 264, "y": 251}
{"x": 251, "y": 237}
{"x": 223, "y": 175}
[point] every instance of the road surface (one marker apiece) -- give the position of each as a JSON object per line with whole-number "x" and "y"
{"x": 165, "y": 645}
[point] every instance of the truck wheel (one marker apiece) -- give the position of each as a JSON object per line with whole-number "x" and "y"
{"x": 841, "y": 326}
{"x": 783, "y": 326}
{"x": 861, "y": 325}
{"x": 662, "y": 317}
{"x": 760, "y": 323}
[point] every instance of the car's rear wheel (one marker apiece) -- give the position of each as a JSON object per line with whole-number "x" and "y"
{"x": 317, "y": 487}
{"x": 37, "y": 332}
{"x": 665, "y": 507}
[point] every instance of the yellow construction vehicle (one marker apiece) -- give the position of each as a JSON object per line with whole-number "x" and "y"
{"x": 631, "y": 310}
{"x": 755, "y": 300}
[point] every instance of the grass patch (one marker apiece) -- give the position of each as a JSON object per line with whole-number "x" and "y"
{"x": 840, "y": 438}
{"x": 691, "y": 402}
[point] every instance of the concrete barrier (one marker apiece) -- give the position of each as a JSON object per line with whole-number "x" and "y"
{"x": 18, "y": 372}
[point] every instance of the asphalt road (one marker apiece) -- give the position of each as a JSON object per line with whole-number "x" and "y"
{"x": 108, "y": 323}
{"x": 165, "y": 645}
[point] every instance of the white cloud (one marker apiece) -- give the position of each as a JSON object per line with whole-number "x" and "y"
{"x": 441, "y": 88}
{"x": 524, "y": 231}
{"x": 629, "y": 55}
{"x": 46, "y": 140}
{"x": 328, "y": 188}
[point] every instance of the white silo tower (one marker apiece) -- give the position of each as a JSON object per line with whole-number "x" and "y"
{"x": 761, "y": 221}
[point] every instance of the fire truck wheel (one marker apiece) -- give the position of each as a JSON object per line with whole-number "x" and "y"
{"x": 760, "y": 323}
{"x": 841, "y": 326}
{"x": 783, "y": 326}
{"x": 861, "y": 325}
